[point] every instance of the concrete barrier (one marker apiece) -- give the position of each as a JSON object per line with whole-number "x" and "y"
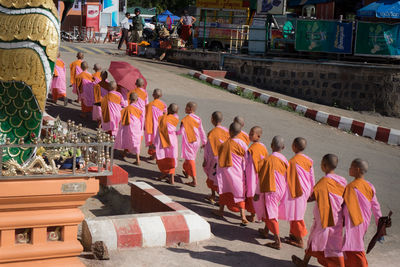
{"x": 154, "y": 229}
{"x": 376, "y": 132}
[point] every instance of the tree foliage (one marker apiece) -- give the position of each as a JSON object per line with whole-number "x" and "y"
{"x": 175, "y": 6}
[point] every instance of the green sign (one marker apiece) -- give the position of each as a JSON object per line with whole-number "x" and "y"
{"x": 378, "y": 39}
{"x": 324, "y": 36}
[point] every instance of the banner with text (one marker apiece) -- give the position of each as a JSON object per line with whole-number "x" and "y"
{"x": 324, "y": 36}
{"x": 378, "y": 39}
{"x": 223, "y": 4}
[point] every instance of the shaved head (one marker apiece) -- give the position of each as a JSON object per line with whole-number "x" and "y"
{"x": 278, "y": 143}
{"x": 257, "y": 130}
{"x": 97, "y": 67}
{"x": 113, "y": 86}
{"x": 80, "y": 55}
{"x": 84, "y": 65}
{"x": 192, "y": 106}
{"x": 234, "y": 129}
{"x": 133, "y": 97}
{"x": 140, "y": 82}
{"x": 330, "y": 161}
{"x": 157, "y": 93}
{"x": 217, "y": 116}
{"x": 239, "y": 120}
{"x": 173, "y": 108}
{"x": 361, "y": 164}
{"x": 104, "y": 75}
{"x": 300, "y": 143}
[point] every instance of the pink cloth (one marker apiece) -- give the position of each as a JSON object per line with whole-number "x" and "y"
{"x": 171, "y": 151}
{"x": 124, "y": 93}
{"x": 87, "y": 95}
{"x": 354, "y": 235}
{"x": 59, "y": 82}
{"x": 252, "y": 188}
{"x": 115, "y": 115}
{"x": 142, "y": 103}
{"x": 130, "y": 136}
{"x": 270, "y": 201}
{"x": 96, "y": 113}
{"x": 329, "y": 239}
{"x": 232, "y": 179}
{"x": 189, "y": 150}
{"x": 78, "y": 70}
{"x": 157, "y": 113}
{"x": 293, "y": 209}
{"x": 210, "y": 169}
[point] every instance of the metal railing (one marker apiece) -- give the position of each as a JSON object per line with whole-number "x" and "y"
{"x": 71, "y": 154}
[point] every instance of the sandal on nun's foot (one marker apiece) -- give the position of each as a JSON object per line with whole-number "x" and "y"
{"x": 297, "y": 261}
{"x": 274, "y": 245}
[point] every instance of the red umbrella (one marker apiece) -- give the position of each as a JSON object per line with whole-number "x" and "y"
{"x": 125, "y": 74}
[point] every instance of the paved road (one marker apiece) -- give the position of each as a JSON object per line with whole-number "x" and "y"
{"x": 234, "y": 245}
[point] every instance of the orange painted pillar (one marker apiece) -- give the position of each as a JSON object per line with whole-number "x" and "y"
{"x": 39, "y": 220}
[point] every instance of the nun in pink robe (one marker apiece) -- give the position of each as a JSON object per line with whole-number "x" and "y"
{"x": 231, "y": 180}
{"x": 329, "y": 240}
{"x": 130, "y": 130}
{"x": 354, "y": 235}
{"x": 292, "y": 209}
{"x": 270, "y": 201}
{"x": 211, "y": 160}
{"x": 170, "y": 152}
{"x": 190, "y": 149}
{"x": 87, "y": 94}
{"x": 58, "y": 84}
{"x": 155, "y": 113}
{"x": 96, "y": 113}
{"x": 78, "y": 70}
{"x": 111, "y": 106}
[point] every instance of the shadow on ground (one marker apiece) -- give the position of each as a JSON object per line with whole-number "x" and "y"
{"x": 224, "y": 256}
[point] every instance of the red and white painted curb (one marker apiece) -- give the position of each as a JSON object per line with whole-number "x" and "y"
{"x": 376, "y": 132}
{"x": 155, "y": 229}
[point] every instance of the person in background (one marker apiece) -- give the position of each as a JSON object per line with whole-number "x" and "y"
{"x": 186, "y": 21}
{"x": 125, "y": 30}
{"x": 137, "y": 27}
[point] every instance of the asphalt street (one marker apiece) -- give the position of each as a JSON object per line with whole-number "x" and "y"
{"x": 234, "y": 245}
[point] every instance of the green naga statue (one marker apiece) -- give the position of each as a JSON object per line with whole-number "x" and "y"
{"x": 29, "y": 42}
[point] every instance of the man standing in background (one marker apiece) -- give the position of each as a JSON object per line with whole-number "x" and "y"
{"x": 125, "y": 30}
{"x": 137, "y": 27}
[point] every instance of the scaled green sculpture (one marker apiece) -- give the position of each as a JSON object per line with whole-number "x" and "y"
{"x": 29, "y": 42}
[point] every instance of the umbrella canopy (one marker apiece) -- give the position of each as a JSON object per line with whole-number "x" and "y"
{"x": 163, "y": 16}
{"x": 381, "y": 9}
{"x": 125, "y": 74}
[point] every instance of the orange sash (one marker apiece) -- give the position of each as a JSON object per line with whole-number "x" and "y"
{"x": 293, "y": 177}
{"x": 72, "y": 68}
{"x": 149, "y": 114}
{"x": 321, "y": 192}
{"x": 244, "y": 137}
{"x": 83, "y": 76}
{"x": 215, "y": 136}
{"x": 97, "y": 93}
{"x": 60, "y": 64}
{"x": 225, "y": 152}
{"x": 126, "y": 114}
{"x": 351, "y": 199}
{"x": 141, "y": 94}
{"x": 189, "y": 123}
{"x": 105, "y": 111}
{"x": 163, "y": 128}
{"x": 97, "y": 75}
{"x": 266, "y": 174}
{"x": 257, "y": 151}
